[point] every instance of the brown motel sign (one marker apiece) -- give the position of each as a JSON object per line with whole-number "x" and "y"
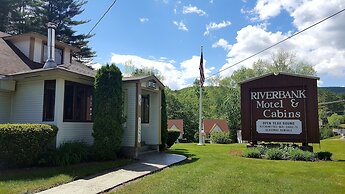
{"x": 280, "y": 108}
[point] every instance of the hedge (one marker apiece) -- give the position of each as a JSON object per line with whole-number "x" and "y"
{"x": 23, "y": 144}
{"x": 220, "y": 137}
{"x": 107, "y": 112}
{"x": 172, "y": 137}
{"x": 164, "y": 123}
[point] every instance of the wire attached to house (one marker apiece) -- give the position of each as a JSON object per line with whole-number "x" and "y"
{"x": 285, "y": 39}
{"x": 100, "y": 19}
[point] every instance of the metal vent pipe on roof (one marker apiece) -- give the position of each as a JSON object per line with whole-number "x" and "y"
{"x": 50, "y": 63}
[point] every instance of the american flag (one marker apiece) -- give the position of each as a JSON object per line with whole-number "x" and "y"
{"x": 201, "y": 68}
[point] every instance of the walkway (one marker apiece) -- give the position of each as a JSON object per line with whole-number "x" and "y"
{"x": 147, "y": 164}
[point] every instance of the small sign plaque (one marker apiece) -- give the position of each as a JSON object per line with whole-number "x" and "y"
{"x": 279, "y": 126}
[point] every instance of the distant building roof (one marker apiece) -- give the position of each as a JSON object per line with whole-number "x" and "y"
{"x": 210, "y": 124}
{"x": 177, "y": 122}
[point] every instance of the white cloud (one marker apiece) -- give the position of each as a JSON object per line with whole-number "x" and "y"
{"x": 223, "y": 44}
{"x": 190, "y": 68}
{"x": 143, "y": 20}
{"x": 180, "y": 25}
{"x": 211, "y": 1}
{"x": 174, "y": 78}
{"x": 193, "y": 9}
{"x": 96, "y": 66}
{"x": 214, "y": 26}
{"x": 322, "y": 46}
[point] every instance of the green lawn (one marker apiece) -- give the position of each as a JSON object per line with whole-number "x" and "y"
{"x": 31, "y": 180}
{"x": 211, "y": 169}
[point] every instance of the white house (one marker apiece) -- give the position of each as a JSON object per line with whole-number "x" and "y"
{"x": 62, "y": 94}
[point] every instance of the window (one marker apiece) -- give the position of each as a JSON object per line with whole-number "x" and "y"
{"x": 49, "y": 100}
{"x": 58, "y": 55}
{"x": 78, "y": 102}
{"x": 145, "y": 109}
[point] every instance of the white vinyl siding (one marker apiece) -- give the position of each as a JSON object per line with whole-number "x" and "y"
{"x": 23, "y": 46}
{"x": 5, "y": 107}
{"x": 74, "y": 131}
{"x": 129, "y": 129}
{"x": 27, "y": 106}
{"x": 216, "y": 129}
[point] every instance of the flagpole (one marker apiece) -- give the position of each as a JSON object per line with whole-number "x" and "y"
{"x": 200, "y": 105}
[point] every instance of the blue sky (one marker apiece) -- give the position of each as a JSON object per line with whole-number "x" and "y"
{"x": 167, "y": 35}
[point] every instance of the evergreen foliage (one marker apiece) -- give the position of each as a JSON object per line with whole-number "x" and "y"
{"x": 220, "y": 137}
{"x": 164, "y": 122}
{"x": 172, "y": 137}
{"x": 107, "y": 112}
{"x": 23, "y": 144}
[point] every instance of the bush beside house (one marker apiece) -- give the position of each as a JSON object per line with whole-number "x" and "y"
{"x": 24, "y": 144}
{"x": 220, "y": 137}
{"x": 108, "y": 112}
{"x": 164, "y": 121}
{"x": 173, "y": 134}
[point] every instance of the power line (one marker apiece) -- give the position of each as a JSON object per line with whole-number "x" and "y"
{"x": 105, "y": 13}
{"x": 285, "y": 39}
{"x": 332, "y": 102}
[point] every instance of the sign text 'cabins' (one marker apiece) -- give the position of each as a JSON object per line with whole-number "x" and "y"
{"x": 280, "y": 108}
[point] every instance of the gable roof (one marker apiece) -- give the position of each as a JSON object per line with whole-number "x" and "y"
{"x": 210, "y": 124}
{"x": 10, "y": 62}
{"x": 143, "y": 78}
{"x": 280, "y": 73}
{"x": 177, "y": 122}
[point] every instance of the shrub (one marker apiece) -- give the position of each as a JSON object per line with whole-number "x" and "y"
{"x": 252, "y": 153}
{"x": 107, "y": 112}
{"x": 71, "y": 153}
{"x": 220, "y": 137}
{"x": 274, "y": 154}
{"x": 23, "y": 144}
{"x": 172, "y": 137}
{"x": 298, "y": 154}
{"x": 326, "y": 132}
{"x": 324, "y": 155}
{"x": 164, "y": 123}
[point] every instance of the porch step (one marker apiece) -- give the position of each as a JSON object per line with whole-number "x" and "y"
{"x": 147, "y": 152}
{"x": 145, "y": 149}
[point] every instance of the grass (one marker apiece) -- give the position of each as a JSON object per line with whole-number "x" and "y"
{"x": 212, "y": 169}
{"x": 31, "y": 180}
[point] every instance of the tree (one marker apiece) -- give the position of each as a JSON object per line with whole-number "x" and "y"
{"x": 335, "y": 120}
{"x": 132, "y": 70}
{"x": 108, "y": 112}
{"x": 21, "y": 16}
{"x": 176, "y": 109}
